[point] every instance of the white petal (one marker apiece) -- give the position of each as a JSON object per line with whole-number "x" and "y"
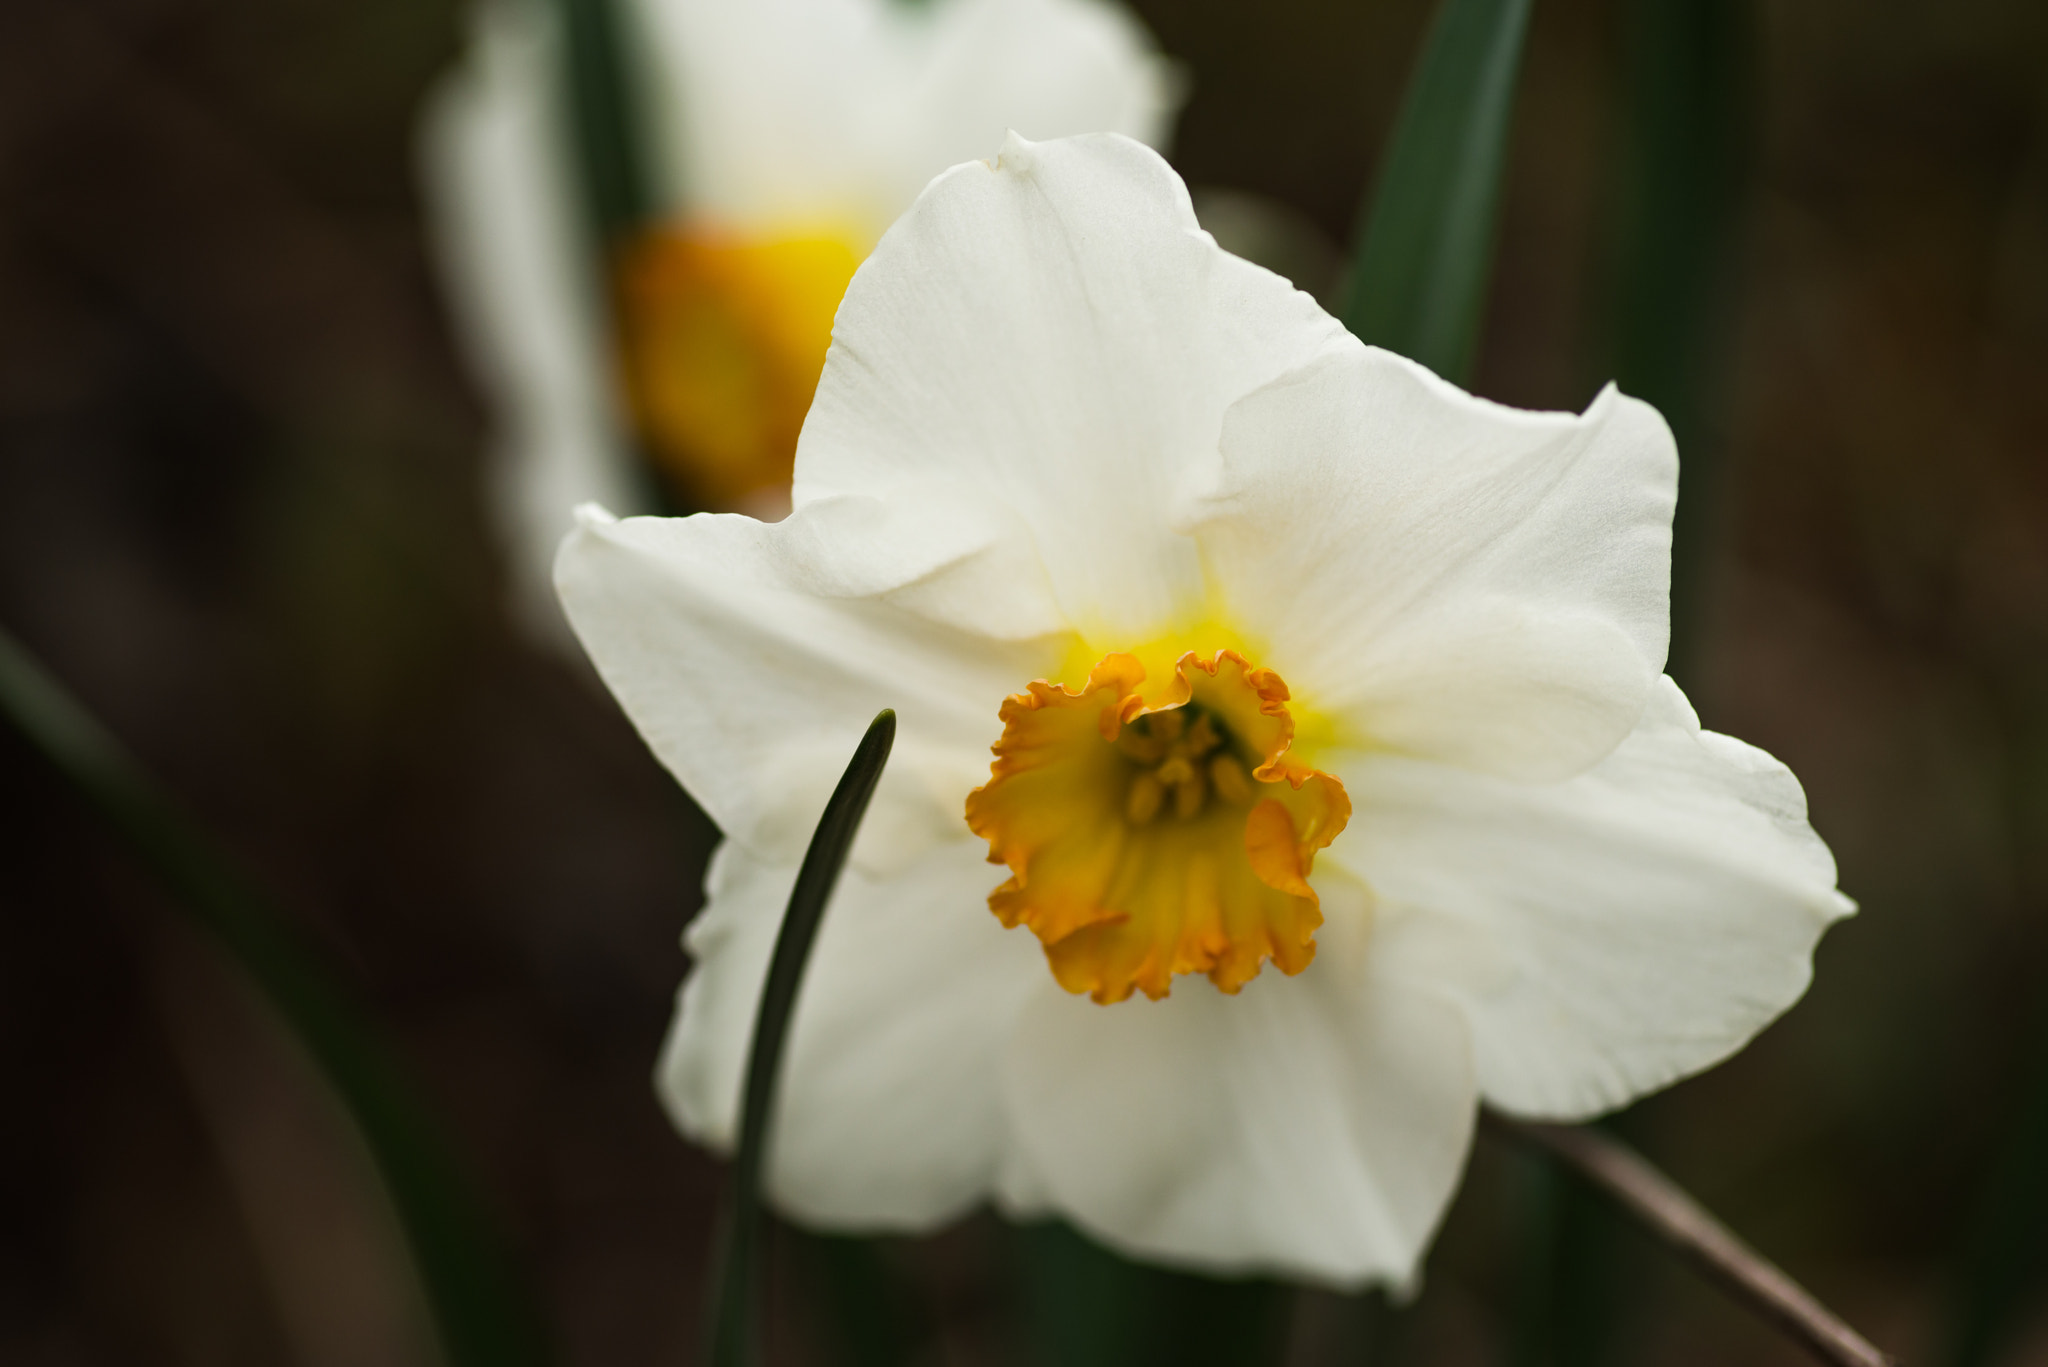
{"x": 770, "y": 113}
{"x": 1448, "y": 577}
{"x": 1312, "y": 1127}
{"x": 728, "y": 643}
{"x": 503, "y": 213}
{"x": 1056, "y": 330}
{"x": 1606, "y": 935}
{"x": 890, "y": 1114}
{"x": 740, "y": 102}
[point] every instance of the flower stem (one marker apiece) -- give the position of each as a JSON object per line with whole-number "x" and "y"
{"x": 605, "y": 119}
{"x": 733, "y": 1313}
{"x": 479, "y": 1313}
{"x": 1661, "y": 1207}
{"x": 1680, "y": 185}
{"x": 1574, "y": 1284}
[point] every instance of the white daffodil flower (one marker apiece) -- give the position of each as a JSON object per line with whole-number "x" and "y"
{"x": 1304, "y": 671}
{"x": 786, "y": 135}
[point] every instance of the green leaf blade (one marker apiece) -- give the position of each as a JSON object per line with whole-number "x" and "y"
{"x": 1418, "y": 283}
{"x": 605, "y": 121}
{"x": 1683, "y": 177}
{"x": 733, "y": 1317}
{"x": 480, "y": 1312}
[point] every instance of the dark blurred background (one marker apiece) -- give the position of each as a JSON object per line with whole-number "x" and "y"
{"x": 240, "y": 513}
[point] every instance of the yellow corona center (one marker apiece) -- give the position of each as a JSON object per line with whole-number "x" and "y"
{"x": 723, "y": 338}
{"x": 1149, "y": 837}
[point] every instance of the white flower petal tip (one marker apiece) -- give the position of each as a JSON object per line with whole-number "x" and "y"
{"x": 778, "y": 109}
{"x": 1608, "y": 935}
{"x": 1016, "y": 149}
{"x": 1303, "y": 671}
{"x": 1056, "y": 334}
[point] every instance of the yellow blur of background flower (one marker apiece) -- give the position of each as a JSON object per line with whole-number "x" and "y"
{"x": 780, "y": 137}
{"x": 722, "y": 336}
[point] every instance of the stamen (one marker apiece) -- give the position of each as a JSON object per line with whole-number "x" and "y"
{"x": 1141, "y": 804}
{"x": 1138, "y": 741}
{"x": 1233, "y": 784}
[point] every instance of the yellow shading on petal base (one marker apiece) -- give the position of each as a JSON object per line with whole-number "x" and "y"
{"x": 723, "y": 337}
{"x": 1152, "y": 837}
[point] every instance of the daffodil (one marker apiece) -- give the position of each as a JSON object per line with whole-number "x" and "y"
{"x": 784, "y": 136}
{"x": 1335, "y": 785}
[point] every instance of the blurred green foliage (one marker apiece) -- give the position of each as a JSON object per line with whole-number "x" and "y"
{"x": 482, "y": 1317}
{"x": 1425, "y": 251}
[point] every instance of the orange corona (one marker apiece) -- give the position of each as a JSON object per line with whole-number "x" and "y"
{"x": 1150, "y": 837}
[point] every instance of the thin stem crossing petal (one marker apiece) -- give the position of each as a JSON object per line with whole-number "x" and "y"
{"x": 733, "y": 1318}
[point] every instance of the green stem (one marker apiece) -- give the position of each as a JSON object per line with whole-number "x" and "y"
{"x": 615, "y": 173}
{"x": 734, "y": 1318}
{"x": 605, "y": 119}
{"x": 480, "y": 1314}
{"x": 1684, "y": 163}
{"x": 1678, "y": 180}
{"x": 1573, "y": 1281}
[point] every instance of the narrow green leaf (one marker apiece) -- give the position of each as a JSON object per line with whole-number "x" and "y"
{"x": 1678, "y": 173}
{"x": 1681, "y": 179}
{"x": 614, "y": 171}
{"x": 1576, "y": 1280}
{"x": 480, "y": 1314}
{"x": 605, "y": 120}
{"x": 733, "y": 1314}
{"x": 1418, "y": 282}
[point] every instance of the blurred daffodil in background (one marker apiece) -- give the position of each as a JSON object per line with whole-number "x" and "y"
{"x": 1305, "y": 672}
{"x": 780, "y": 138}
